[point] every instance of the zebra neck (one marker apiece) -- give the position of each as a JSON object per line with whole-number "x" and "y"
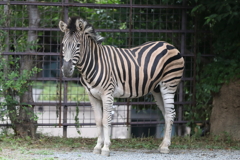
{"x": 89, "y": 66}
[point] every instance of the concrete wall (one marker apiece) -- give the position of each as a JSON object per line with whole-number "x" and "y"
{"x": 86, "y": 115}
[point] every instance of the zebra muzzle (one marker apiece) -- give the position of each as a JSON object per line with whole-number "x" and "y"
{"x": 67, "y": 68}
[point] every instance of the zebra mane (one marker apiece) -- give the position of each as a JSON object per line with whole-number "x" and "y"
{"x": 78, "y": 24}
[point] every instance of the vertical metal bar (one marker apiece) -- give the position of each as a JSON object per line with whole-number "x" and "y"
{"x": 7, "y": 40}
{"x": 65, "y": 12}
{"x": 128, "y": 116}
{"x": 60, "y": 87}
{"x": 130, "y": 25}
{"x": 65, "y": 109}
{"x": 129, "y": 45}
{"x": 183, "y": 45}
{"x": 194, "y": 67}
{"x": 7, "y": 17}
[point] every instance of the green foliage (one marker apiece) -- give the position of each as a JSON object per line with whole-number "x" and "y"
{"x": 2, "y": 38}
{"x": 77, "y": 120}
{"x": 221, "y": 18}
{"x": 13, "y": 83}
{"x": 11, "y": 79}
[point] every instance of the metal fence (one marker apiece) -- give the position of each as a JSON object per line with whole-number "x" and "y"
{"x": 61, "y": 102}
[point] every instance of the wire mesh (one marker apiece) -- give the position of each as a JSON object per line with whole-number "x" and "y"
{"x": 124, "y": 23}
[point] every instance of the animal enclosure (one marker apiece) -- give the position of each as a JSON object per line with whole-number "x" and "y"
{"x": 61, "y": 104}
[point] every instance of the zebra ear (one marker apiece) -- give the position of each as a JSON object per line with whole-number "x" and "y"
{"x": 99, "y": 39}
{"x": 79, "y": 25}
{"x": 62, "y": 26}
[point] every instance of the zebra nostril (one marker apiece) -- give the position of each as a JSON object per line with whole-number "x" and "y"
{"x": 72, "y": 69}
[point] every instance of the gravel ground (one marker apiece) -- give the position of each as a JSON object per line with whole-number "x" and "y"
{"x": 153, "y": 155}
{"x": 174, "y": 154}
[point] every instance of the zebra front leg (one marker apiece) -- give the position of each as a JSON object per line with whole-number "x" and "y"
{"x": 168, "y": 101}
{"x": 97, "y": 109}
{"x": 106, "y": 121}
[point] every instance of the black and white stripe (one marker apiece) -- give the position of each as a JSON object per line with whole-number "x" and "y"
{"x": 137, "y": 71}
{"x": 108, "y": 72}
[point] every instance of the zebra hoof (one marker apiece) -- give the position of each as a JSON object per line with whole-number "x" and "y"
{"x": 105, "y": 153}
{"x": 97, "y": 151}
{"x": 164, "y": 150}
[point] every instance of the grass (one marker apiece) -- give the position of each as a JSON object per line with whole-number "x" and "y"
{"x": 44, "y": 143}
{"x": 11, "y": 145}
{"x": 51, "y": 91}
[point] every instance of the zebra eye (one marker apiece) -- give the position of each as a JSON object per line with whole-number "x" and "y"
{"x": 78, "y": 45}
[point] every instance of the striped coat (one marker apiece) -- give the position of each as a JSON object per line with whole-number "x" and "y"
{"x": 132, "y": 72}
{"x": 108, "y": 72}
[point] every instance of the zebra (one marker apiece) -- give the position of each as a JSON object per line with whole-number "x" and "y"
{"x": 108, "y": 72}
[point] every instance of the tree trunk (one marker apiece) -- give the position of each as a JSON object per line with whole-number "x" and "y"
{"x": 25, "y": 123}
{"x": 225, "y": 119}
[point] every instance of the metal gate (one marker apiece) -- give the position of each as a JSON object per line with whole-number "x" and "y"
{"x": 61, "y": 102}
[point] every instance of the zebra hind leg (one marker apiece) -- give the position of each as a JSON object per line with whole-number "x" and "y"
{"x": 168, "y": 94}
{"x": 159, "y": 101}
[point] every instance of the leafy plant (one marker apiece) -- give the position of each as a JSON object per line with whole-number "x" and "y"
{"x": 13, "y": 85}
{"x": 221, "y": 19}
{"x": 77, "y": 120}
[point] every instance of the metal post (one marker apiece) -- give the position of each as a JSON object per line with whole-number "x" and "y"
{"x": 183, "y": 45}
{"x": 65, "y": 108}
{"x": 129, "y": 45}
{"x": 193, "y": 105}
{"x": 130, "y": 25}
{"x": 7, "y": 24}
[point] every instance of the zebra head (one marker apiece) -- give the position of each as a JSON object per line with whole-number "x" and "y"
{"x": 75, "y": 33}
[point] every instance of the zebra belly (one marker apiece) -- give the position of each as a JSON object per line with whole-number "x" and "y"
{"x": 119, "y": 92}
